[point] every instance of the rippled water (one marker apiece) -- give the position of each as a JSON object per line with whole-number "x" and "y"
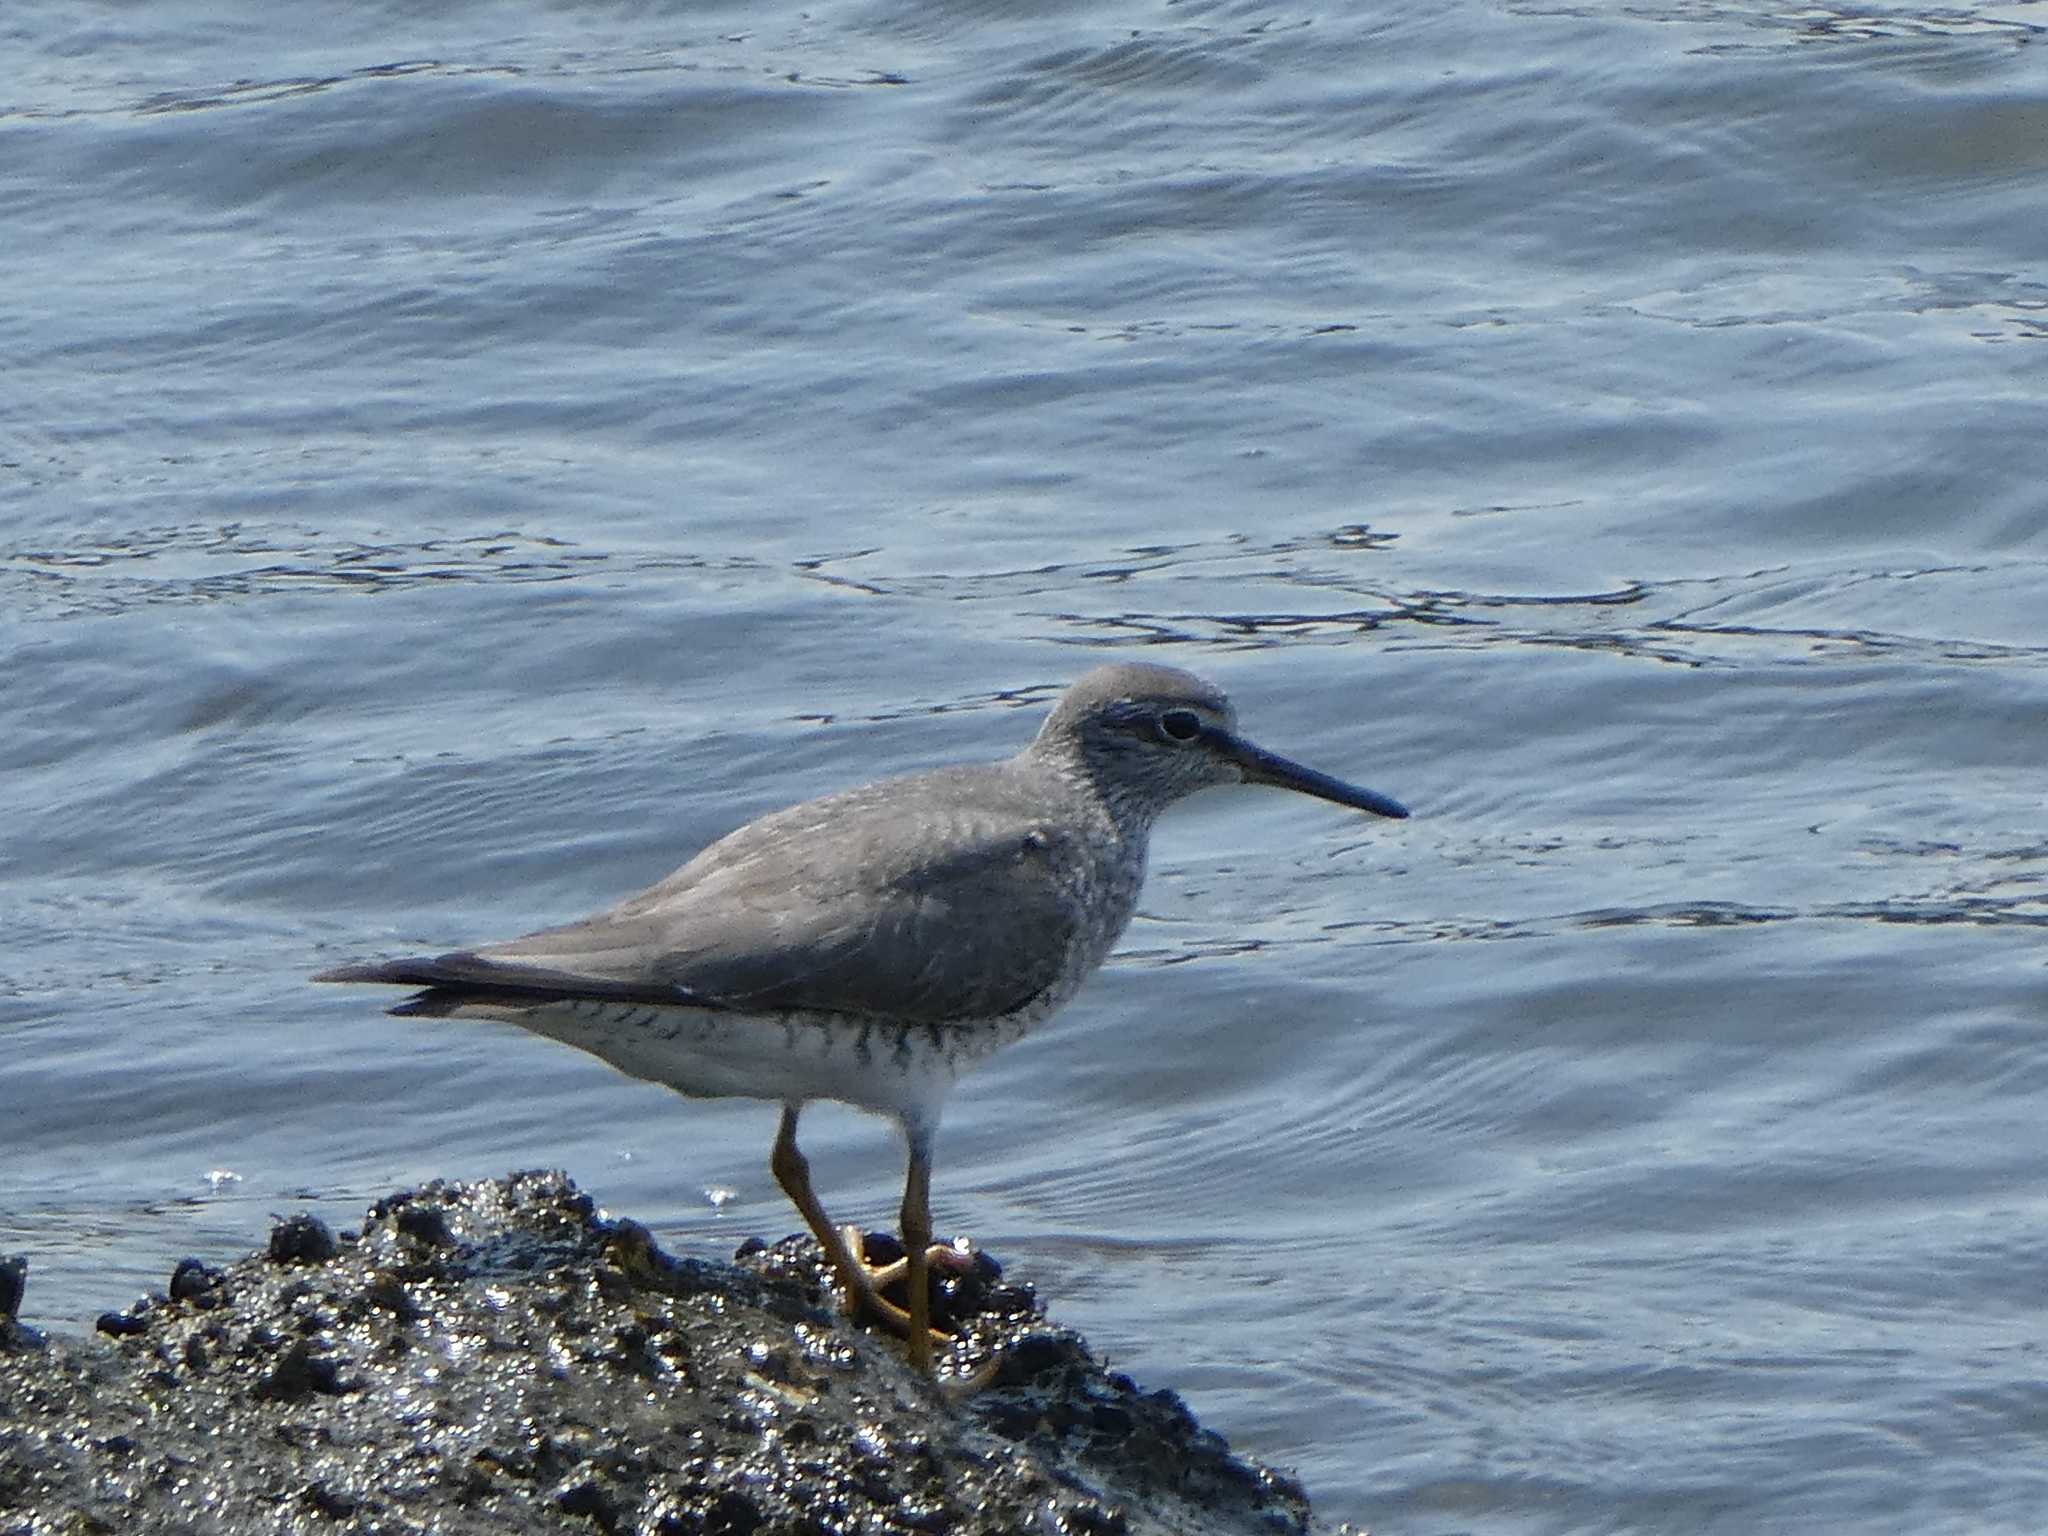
{"x": 450, "y": 469}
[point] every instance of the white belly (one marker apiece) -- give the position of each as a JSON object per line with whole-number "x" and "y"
{"x": 903, "y": 1071}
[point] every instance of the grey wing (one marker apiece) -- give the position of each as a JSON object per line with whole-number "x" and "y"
{"x": 973, "y": 920}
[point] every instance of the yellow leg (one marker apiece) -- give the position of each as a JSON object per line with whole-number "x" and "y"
{"x": 793, "y": 1172}
{"x": 917, "y": 1241}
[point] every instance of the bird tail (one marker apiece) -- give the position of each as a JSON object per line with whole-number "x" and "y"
{"x": 463, "y": 979}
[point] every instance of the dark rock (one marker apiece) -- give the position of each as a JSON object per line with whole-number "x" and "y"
{"x": 1088, "y": 1518}
{"x": 730, "y": 1514}
{"x": 424, "y": 1224}
{"x": 302, "y": 1239}
{"x": 587, "y": 1497}
{"x": 1037, "y": 1355}
{"x": 324, "y": 1499}
{"x": 1110, "y": 1421}
{"x": 124, "y": 1325}
{"x": 300, "y": 1372}
{"x": 492, "y": 1358}
{"x": 15, "y": 1335}
{"x": 880, "y": 1248}
{"x": 196, "y": 1282}
{"x": 13, "y": 1282}
{"x": 386, "y": 1291}
{"x": 932, "y": 1518}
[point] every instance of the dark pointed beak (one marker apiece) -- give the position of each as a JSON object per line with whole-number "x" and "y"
{"x": 1263, "y": 767}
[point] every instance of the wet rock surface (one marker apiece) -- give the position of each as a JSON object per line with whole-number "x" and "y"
{"x": 494, "y": 1357}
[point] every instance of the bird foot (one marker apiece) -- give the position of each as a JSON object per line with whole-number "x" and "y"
{"x": 865, "y": 1282}
{"x": 942, "y": 1258}
{"x": 862, "y": 1284}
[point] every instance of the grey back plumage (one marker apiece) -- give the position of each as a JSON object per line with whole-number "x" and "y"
{"x": 961, "y": 895}
{"x": 948, "y": 896}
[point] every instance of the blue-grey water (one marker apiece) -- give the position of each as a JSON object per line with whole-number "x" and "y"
{"x": 456, "y": 460}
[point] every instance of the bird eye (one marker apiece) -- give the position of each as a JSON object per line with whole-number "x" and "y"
{"x": 1180, "y": 725}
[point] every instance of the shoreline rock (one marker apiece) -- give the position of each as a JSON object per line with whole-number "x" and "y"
{"x": 494, "y": 1357}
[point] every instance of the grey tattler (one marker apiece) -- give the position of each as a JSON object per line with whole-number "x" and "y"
{"x": 873, "y": 945}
